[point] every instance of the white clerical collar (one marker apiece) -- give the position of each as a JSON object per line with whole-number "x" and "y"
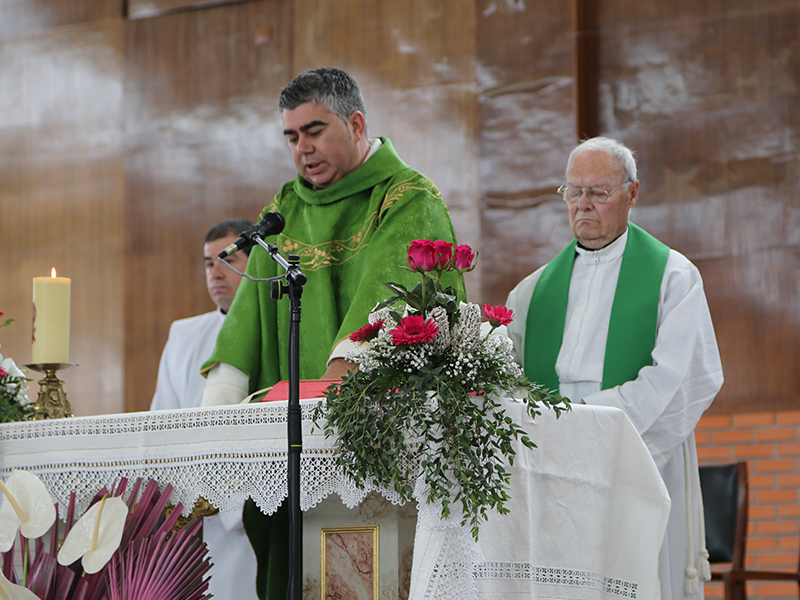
{"x": 605, "y": 254}
{"x": 374, "y": 145}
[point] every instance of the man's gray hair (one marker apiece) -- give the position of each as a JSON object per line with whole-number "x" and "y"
{"x": 333, "y": 88}
{"x": 619, "y": 151}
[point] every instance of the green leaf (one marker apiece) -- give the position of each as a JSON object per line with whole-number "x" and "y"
{"x": 388, "y": 436}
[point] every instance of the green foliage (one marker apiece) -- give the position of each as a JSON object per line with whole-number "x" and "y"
{"x": 11, "y": 409}
{"x": 394, "y": 423}
{"x": 14, "y": 404}
{"x": 423, "y": 400}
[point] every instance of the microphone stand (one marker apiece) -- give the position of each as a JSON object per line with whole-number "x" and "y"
{"x": 294, "y": 288}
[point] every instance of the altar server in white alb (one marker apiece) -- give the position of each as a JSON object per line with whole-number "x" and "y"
{"x": 619, "y": 319}
{"x": 180, "y": 385}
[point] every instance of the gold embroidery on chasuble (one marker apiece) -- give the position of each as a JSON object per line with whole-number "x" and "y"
{"x": 314, "y": 257}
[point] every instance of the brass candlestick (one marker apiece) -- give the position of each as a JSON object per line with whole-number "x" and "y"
{"x": 52, "y": 402}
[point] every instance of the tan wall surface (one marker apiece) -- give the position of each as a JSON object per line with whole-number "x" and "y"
{"x": 124, "y": 136}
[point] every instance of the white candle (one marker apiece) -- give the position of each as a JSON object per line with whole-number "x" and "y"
{"x": 50, "y": 319}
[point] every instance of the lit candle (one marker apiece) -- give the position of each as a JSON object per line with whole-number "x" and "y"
{"x": 50, "y": 319}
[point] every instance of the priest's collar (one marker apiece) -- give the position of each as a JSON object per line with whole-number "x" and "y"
{"x": 609, "y": 252}
{"x": 374, "y": 146}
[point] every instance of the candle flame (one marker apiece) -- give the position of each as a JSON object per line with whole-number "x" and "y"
{"x": 53, "y": 272}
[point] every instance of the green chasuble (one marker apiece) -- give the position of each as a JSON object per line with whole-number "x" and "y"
{"x": 351, "y": 238}
{"x": 634, "y": 313}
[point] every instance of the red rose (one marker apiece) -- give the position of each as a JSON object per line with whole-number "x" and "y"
{"x": 464, "y": 258}
{"x": 414, "y": 329}
{"x": 3, "y": 372}
{"x": 422, "y": 255}
{"x": 498, "y": 315}
{"x": 367, "y": 332}
{"x": 445, "y": 253}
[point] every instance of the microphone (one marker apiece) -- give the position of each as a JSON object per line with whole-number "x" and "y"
{"x": 272, "y": 224}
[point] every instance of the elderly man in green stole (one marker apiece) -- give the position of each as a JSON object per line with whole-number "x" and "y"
{"x": 619, "y": 319}
{"x": 351, "y": 214}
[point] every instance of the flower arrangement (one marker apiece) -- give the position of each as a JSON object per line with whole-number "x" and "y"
{"x": 14, "y": 402}
{"x": 117, "y": 550}
{"x": 423, "y": 400}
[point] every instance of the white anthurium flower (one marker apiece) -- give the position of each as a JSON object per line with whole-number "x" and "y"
{"x": 27, "y": 508}
{"x": 11, "y": 367}
{"x": 96, "y": 535}
{"x": 12, "y": 591}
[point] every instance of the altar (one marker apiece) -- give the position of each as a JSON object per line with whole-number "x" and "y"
{"x": 588, "y": 508}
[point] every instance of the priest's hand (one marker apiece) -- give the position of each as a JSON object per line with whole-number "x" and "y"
{"x": 338, "y": 368}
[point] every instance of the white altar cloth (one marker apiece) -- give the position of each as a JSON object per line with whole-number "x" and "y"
{"x": 588, "y": 513}
{"x": 588, "y": 508}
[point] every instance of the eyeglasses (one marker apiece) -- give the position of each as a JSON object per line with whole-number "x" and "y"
{"x": 573, "y": 193}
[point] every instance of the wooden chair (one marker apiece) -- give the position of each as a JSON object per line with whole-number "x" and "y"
{"x": 725, "y": 504}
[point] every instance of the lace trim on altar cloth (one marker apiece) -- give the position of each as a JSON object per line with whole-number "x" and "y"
{"x": 223, "y": 454}
{"x": 165, "y": 420}
{"x": 556, "y": 576}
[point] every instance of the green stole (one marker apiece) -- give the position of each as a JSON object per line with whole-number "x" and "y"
{"x": 634, "y": 313}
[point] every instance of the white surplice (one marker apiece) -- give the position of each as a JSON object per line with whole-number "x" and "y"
{"x": 180, "y": 385}
{"x": 664, "y": 402}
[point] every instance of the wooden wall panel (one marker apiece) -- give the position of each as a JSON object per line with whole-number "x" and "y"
{"x": 61, "y": 197}
{"x": 527, "y": 127}
{"x": 707, "y": 94}
{"x": 414, "y": 61}
{"x": 22, "y": 17}
{"x": 399, "y": 44}
{"x": 203, "y": 142}
{"x": 121, "y": 142}
{"x": 141, "y": 9}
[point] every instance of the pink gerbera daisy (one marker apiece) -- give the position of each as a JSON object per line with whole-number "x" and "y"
{"x": 367, "y": 332}
{"x": 498, "y": 315}
{"x": 414, "y": 329}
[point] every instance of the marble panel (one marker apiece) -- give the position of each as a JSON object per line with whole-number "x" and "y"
{"x": 363, "y": 553}
{"x": 350, "y": 562}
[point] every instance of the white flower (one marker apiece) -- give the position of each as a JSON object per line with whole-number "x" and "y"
{"x": 12, "y": 591}
{"x": 27, "y": 508}
{"x": 11, "y": 368}
{"x": 487, "y": 330}
{"x": 467, "y": 329}
{"x": 442, "y": 341}
{"x": 96, "y": 535}
{"x": 383, "y": 313}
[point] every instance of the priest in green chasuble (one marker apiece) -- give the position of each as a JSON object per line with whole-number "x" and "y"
{"x": 351, "y": 214}
{"x": 619, "y": 319}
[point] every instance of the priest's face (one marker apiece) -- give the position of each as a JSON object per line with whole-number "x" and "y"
{"x": 595, "y": 224}
{"x": 222, "y": 283}
{"x": 324, "y": 147}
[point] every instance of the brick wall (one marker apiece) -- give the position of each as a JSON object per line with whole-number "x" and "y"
{"x": 770, "y": 443}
